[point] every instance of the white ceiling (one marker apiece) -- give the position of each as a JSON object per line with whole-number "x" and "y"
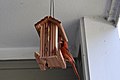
{"x": 17, "y": 18}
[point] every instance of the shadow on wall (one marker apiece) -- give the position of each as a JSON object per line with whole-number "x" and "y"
{"x": 72, "y": 29}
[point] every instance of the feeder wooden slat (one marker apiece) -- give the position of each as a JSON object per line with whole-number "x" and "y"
{"x": 56, "y": 43}
{"x": 46, "y": 40}
{"x": 50, "y": 40}
{"x": 53, "y": 39}
{"x": 41, "y": 40}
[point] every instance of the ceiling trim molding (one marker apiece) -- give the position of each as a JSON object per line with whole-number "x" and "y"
{"x": 17, "y": 53}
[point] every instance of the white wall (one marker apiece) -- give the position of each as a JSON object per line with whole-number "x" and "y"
{"x": 103, "y": 47}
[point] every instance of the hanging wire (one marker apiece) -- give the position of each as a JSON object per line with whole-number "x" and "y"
{"x": 52, "y": 7}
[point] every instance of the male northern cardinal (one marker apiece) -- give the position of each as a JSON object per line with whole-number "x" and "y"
{"x": 66, "y": 54}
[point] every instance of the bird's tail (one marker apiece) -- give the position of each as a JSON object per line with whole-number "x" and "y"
{"x": 75, "y": 69}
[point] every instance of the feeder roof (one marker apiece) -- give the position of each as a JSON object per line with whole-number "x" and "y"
{"x": 54, "y": 21}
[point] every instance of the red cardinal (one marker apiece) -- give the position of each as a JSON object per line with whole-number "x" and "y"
{"x": 66, "y": 54}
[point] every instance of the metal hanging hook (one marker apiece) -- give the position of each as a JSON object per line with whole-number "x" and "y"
{"x": 52, "y": 7}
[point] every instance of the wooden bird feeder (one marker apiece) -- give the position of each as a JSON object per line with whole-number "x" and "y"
{"x": 51, "y": 32}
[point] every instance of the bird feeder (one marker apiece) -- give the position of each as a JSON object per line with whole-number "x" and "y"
{"x": 51, "y": 32}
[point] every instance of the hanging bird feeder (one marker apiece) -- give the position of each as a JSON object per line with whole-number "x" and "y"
{"x": 51, "y": 33}
{"x": 53, "y": 52}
